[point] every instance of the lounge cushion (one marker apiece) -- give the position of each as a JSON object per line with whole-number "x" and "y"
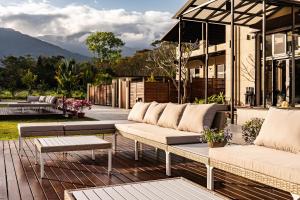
{"x": 153, "y": 113}
{"x": 32, "y": 98}
{"x": 159, "y": 134}
{"x": 280, "y": 130}
{"x": 171, "y": 115}
{"x": 42, "y": 99}
{"x": 138, "y": 112}
{"x": 29, "y": 128}
{"x": 48, "y": 99}
{"x": 92, "y": 125}
{"x": 196, "y": 117}
{"x": 272, "y": 162}
{"x": 52, "y": 100}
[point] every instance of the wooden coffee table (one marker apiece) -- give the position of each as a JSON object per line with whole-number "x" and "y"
{"x": 66, "y": 144}
{"x": 169, "y": 189}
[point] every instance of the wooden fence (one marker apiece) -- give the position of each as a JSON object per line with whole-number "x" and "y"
{"x": 100, "y": 95}
{"x": 197, "y": 88}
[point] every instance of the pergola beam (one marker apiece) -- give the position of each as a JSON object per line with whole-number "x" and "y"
{"x": 232, "y": 58}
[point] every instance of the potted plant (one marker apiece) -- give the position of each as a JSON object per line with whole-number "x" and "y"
{"x": 251, "y": 129}
{"x": 79, "y": 106}
{"x": 216, "y": 138}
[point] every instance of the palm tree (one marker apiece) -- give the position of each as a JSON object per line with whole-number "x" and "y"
{"x": 67, "y": 78}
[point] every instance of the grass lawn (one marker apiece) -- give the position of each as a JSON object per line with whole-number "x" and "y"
{"x": 9, "y": 131}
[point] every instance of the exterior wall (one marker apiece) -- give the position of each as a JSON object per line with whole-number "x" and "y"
{"x": 212, "y": 66}
{"x": 245, "y": 63}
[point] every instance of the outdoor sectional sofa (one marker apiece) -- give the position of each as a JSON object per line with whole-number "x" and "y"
{"x": 163, "y": 125}
{"x": 274, "y": 159}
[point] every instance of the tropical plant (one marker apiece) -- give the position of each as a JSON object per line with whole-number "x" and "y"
{"x": 105, "y": 46}
{"x": 103, "y": 78}
{"x": 216, "y": 135}
{"x": 66, "y": 76}
{"x": 216, "y": 98}
{"x": 29, "y": 80}
{"x": 251, "y": 128}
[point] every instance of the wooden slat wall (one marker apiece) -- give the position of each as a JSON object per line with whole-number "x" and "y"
{"x": 100, "y": 94}
{"x": 215, "y": 86}
{"x": 136, "y": 91}
{"x": 157, "y": 91}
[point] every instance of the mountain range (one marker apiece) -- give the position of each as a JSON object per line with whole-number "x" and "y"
{"x": 17, "y": 44}
{"x": 73, "y": 46}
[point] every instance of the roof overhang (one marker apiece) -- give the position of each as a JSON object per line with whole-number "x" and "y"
{"x": 247, "y": 12}
{"x": 192, "y": 32}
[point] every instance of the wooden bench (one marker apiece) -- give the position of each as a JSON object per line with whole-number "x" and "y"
{"x": 169, "y": 189}
{"x": 67, "y": 129}
{"x": 74, "y": 143}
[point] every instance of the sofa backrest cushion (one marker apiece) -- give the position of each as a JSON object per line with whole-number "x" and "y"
{"x": 42, "y": 98}
{"x": 171, "y": 115}
{"x": 154, "y": 112}
{"x": 196, "y": 117}
{"x": 53, "y": 100}
{"x": 33, "y": 98}
{"x": 48, "y": 99}
{"x": 138, "y": 112}
{"x": 280, "y": 130}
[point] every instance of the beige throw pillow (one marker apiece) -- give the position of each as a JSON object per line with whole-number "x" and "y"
{"x": 138, "y": 111}
{"x": 153, "y": 113}
{"x": 196, "y": 117}
{"x": 171, "y": 115}
{"x": 280, "y": 130}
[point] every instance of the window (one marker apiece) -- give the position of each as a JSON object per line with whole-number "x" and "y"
{"x": 221, "y": 71}
{"x": 279, "y": 44}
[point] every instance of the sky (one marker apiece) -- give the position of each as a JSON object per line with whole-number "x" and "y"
{"x": 137, "y": 22}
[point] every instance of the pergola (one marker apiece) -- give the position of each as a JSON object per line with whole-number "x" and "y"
{"x": 238, "y": 13}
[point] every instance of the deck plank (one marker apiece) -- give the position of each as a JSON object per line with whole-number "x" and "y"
{"x": 78, "y": 170}
{"x": 3, "y": 185}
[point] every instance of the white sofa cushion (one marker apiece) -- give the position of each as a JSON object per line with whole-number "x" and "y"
{"x": 159, "y": 134}
{"x": 138, "y": 112}
{"x": 171, "y": 115}
{"x": 153, "y": 113}
{"x": 196, "y": 117}
{"x": 280, "y": 130}
{"x": 279, "y": 164}
{"x": 42, "y": 98}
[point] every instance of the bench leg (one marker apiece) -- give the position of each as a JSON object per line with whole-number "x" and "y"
{"x": 136, "y": 150}
{"x": 42, "y": 165}
{"x": 210, "y": 177}
{"x": 109, "y": 167}
{"x": 93, "y": 155}
{"x": 296, "y": 196}
{"x": 168, "y": 163}
{"x": 114, "y": 143}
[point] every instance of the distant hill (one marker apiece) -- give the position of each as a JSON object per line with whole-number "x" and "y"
{"x": 17, "y": 44}
{"x": 76, "y": 43}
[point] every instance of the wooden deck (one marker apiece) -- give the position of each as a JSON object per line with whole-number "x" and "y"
{"x": 19, "y": 176}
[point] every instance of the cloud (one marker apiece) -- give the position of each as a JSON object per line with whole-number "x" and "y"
{"x": 39, "y": 18}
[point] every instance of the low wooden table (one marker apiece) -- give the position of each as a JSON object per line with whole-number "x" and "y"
{"x": 169, "y": 189}
{"x": 65, "y": 144}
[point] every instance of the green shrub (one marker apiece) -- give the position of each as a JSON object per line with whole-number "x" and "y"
{"x": 251, "y": 128}
{"x": 5, "y": 94}
{"x": 216, "y": 98}
{"x": 21, "y": 94}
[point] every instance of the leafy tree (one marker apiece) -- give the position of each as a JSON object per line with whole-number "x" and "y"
{"x": 66, "y": 76}
{"x": 105, "y": 46}
{"x": 29, "y": 80}
{"x": 165, "y": 58}
{"x": 103, "y": 78}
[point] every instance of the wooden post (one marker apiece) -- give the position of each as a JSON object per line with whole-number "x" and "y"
{"x": 264, "y": 52}
{"x": 206, "y": 62}
{"x": 232, "y": 61}
{"x": 179, "y": 60}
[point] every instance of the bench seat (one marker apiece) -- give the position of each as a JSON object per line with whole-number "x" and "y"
{"x": 274, "y": 163}
{"x": 159, "y": 134}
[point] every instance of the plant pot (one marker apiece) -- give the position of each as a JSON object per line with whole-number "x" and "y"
{"x": 216, "y": 144}
{"x": 80, "y": 115}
